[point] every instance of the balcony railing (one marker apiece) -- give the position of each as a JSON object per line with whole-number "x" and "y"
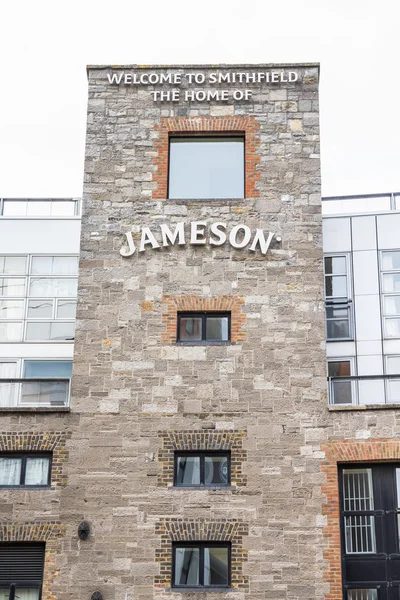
{"x": 40, "y": 207}
{"x": 367, "y": 203}
{"x": 34, "y": 392}
{"x": 364, "y": 390}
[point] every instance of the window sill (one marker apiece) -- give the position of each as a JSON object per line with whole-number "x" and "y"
{"x": 34, "y": 409}
{"x": 205, "y": 343}
{"x": 205, "y": 590}
{"x": 206, "y": 488}
{"x": 345, "y": 407}
{"x": 186, "y": 200}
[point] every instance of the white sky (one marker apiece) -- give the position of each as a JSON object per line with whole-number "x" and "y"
{"x": 45, "y": 46}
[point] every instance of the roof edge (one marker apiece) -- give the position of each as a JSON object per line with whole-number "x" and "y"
{"x": 205, "y": 66}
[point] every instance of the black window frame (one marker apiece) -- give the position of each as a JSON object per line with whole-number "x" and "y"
{"x": 203, "y": 315}
{"x": 24, "y": 456}
{"x": 201, "y": 545}
{"x": 340, "y": 302}
{"x": 202, "y": 455}
{"x": 205, "y": 135}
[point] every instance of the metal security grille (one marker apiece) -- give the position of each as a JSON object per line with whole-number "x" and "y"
{"x": 362, "y": 595}
{"x": 21, "y": 563}
{"x": 358, "y": 497}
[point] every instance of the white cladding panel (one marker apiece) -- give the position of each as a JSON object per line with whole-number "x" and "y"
{"x": 365, "y": 273}
{"x": 40, "y": 236}
{"x": 363, "y": 233}
{"x": 336, "y": 235}
{"x": 367, "y": 315}
{"x": 371, "y": 391}
{"x": 369, "y": 347}
{"x": 45, "y": 350}
{"x": 388, "y": 231}
{"x": 340, "y": 349}
{"x": 370, "y": 365}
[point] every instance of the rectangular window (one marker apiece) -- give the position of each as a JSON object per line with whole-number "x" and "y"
{"x": 362, "y": 594}
{"x": 24, "y": 470}
{"x": 206, "y": 167}
{"x": 202, "y": 468}
{"x": 21, "y": 570}
{"x": 341, "y": 391}
{"x": 200, "y": 327}
{"x": 390, "y": 274}
{"x": 338, "y": 298}
{"x": 40, "y": 306}
{"x": 201, "y": 564}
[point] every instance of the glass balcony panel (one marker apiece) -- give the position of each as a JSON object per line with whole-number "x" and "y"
{"x": 63, "y": 209}
{"x": 13, "y": 208}
{"x": 38, "y": 209}
{"x": 44, "y": 393}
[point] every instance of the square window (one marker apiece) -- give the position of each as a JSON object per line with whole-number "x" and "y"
{"x": 201, "y": 564}
{"x": 202, "y": 468}
{"x": 202, "y": 167}
{"x": 203, "y": 327}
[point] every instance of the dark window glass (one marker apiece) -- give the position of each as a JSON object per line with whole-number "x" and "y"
{"x": 25, "y": 470}
{"x": 201, "y": 565}
{"x": 340, "y": 391}
{"x": 21, "y": 570}
{"x": 206, "y": 167}
{"x": 202, "y": 468}
{"x": 203, "y": 327}
{"x": 338, "y": 321}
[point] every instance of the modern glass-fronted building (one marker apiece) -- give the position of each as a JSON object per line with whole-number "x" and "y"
{"x": 212, "y": 441}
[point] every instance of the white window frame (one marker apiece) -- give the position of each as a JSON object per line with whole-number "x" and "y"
{"x": 337, "y": 301}
{"x": 26, "y": 298}
{"x": 384, "y": 294}
{"x": 354, "y": 387}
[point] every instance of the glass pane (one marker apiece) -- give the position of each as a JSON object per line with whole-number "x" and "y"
{"x": 391, "y": 305}
{"x": 10, "y": 332}
{"x": 390, "y": 261}
{"x": 337, "y": 329}
{"x": 187, "y": 566}
{"x": 336, "y": 286}
{"x": 216, "y": 566}
{"x": 10, "y": 471}
{"x": 54, "y": 265}
{"x": 4, "y": 593}
{"x": 393, "y": 391}
{"x": 12, "y": 287}
{"x": 357, "y": 489}
{"x": 66, "y": 309}
{"x": 38, "y": 209}
{"x": 360, "y": 534}
{"x": 11, "y": 309}
{"x": 339, "y": 311}
{"x": 13, "y": 265}
{"x": 206, "y": 168}
{"x": 335, "y": 265}
{"x": 12, "y": 208}
{"x": 392, "y": 327}
{"x": 62, "y": 331}
{"x": 62, "y": 209}
{"x": 188, "y": 470}
{"x": 26, "y": 594}
{"x": 216, "y": 470}
{"x": 391, "y": 282}
{"x": 47, "y": 368}
{"x": 37, "y": 331}
{"x": 48, "y": 287}
{"x": 362, "y": 594}
{"x": 42, "y": 393}
{"x": 339, "y": 369}
{"x": 217, "y": 329}
{"x": 342, "y": 392}
{"x": 190, "y": 329}
{"x": 8, "y": 370}
{"x": 37, "y": 471}
{"x": 40, "y": 309}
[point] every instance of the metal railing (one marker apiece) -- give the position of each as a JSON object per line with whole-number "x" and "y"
{"x": 40, "y": 207}
{"x": 366, "y": 203}
{"x": 35, "y": 392}
{"x": 364, "y": 390}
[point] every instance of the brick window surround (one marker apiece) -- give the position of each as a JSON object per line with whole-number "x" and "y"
{"x": 49, "y": 532}
{"x": 341, "y": 452}
{"x": 40, "y": 442}
{"x": 175, "y": 304}
{"x": 202, "y": 440}
{"x": 183, "y": 125}
{"x": 185, "y": 530}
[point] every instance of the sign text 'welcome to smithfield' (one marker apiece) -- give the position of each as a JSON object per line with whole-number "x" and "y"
{"x": 204, "y": 80}
{"x": 238, "y": 237}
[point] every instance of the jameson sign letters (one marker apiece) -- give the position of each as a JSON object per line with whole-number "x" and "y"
{"x": 239, "y": 236}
